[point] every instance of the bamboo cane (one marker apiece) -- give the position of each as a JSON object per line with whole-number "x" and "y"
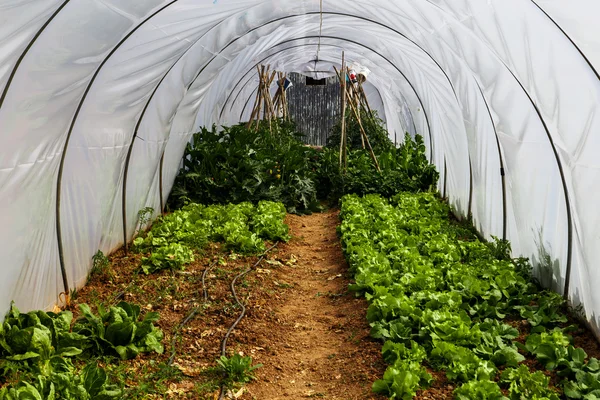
{"x": 365, "y": 100}
{"x": 342, "y": 78}
{"x": 362, "y": 130}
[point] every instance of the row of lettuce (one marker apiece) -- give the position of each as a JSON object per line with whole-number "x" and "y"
{"x": 47, "y": 356}
{"x": 52, "y": 356}
{"x": 241, "y": 228}
{"x": 441, "y": 300}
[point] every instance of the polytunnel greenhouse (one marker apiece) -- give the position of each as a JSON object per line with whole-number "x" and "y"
{"x": 291, "y": 199}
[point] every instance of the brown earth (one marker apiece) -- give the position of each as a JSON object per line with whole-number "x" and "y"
{"x": 319, "y": 345}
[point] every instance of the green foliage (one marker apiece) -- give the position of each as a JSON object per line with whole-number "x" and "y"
{"x": 547, "y": 311}
{"x": 437, "y": 296}
{"x": 100, "y": 264}
{"x": 238, "y": 165}
{"x": 480, "y": 390}
{"x": 586, "y": 383}
{"x": 549, "y": 348}
{"x": 173, "y": 256}
{"x": 495, "y": 345}
{"x": 268, "y": 222}
{"x": 119, "y": 330}
{"x": 37, "y": 349}
{"x": 500, "y": 248}
{"x": 376, "y": 132}
{"x": 402, "y": 380}
{"x": 402, "y": 169}
{"x": 237, "y": 369}
{"x": 522, "y": 384}
{"x": 37, "y": 341}
{"x": 144, "y": 216}
{"x": 460, "y": 363}
{"x": 241, "y": 228}
{"x": 90, "y": 383}
{"x": 554, "y": 351}
{"x": 405, "y": 375}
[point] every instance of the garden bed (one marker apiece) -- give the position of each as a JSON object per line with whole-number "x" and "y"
{"x": 458, "y": 317}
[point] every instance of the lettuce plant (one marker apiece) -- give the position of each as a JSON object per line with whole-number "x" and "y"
{"x": 119, "y": 330}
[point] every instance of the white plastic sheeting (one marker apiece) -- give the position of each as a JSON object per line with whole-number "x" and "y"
{"x": 98, "y": 99}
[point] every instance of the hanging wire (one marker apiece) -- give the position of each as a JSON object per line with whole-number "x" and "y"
{"x": 320, "y": 31}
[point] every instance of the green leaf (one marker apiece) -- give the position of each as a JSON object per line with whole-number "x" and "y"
{"x": 120, "y": 333}
{"x": 94, "y": 379}
{"x": 25, "y": 356}
{"x": 70, "y": 351}
{"x": 480, "y": 390}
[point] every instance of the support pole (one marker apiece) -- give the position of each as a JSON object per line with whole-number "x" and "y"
{"x": 366, "y": 138}
{"x": 342, "y": 78}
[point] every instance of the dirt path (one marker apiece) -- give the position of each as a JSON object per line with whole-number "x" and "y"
{"x": 315, "y": 341}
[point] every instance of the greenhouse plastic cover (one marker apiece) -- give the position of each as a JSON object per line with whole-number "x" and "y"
{"x": 98, "y": 99}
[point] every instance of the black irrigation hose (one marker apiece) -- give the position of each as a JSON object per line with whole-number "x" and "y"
{"x": 191, "y": 315}
{"x": 243, "y": 307}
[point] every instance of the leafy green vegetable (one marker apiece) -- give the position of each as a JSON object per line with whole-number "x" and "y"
{"x": 480, "y": 390}
{"x": 494, "y": 346}
{"x": 405, "y": 375}
{"x": 460, "y": 363}
{"x": 586, "y": 384}
{"x": 522, "y": 384}
{"x": 172, "y": 256}
{"x": 91, "y": 383}
{"x": 551, "y": 349}
{"x": 38, "y": 347}
{"x": 120, "y": 331}
{"x": 402, "y": 380}
{"x": 37, "y": 341}
{"x": 268, "y": 223}
{"x": 237, "y": 369}
{"x": 436, "y": 290}
{"x": 547, "y": 311}
{"x": 241, "y": 228}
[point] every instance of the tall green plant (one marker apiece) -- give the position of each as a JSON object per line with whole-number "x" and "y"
{"x": 239, "y": 164}
{"x": 403, "y": 169}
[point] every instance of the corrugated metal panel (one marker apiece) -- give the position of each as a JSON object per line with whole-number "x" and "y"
{"x": 315, "y": 109}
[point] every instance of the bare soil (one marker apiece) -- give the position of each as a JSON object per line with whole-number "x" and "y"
{"x": 319, "y": 344}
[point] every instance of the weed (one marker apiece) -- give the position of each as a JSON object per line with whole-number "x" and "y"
{"x": 151, "y": 378}
{"x": 100, "y": 264}
{"x": 209, "y": 382}
{"x": 236, "y": 370}
{"x": 144, "y": 217}
{"x": 500, "y": 249}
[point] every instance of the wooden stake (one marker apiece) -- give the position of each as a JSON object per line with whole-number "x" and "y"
{"x": 342, "y": 78}
{"x": 365, "y": 100}
{"x": 366, "y": 138}
{"x": 286, "y": 109}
